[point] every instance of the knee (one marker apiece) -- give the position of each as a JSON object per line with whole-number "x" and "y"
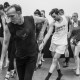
{"x": 76, "y": 57}
{"x": 54, "y": 60}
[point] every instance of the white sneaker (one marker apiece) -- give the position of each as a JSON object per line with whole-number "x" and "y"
{"x": 7, "y": 77}
{"x": 77, "y": 72}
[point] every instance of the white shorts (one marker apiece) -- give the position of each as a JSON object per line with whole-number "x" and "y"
{"x": 57, "y": 48}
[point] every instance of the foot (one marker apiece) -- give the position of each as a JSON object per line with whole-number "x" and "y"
{"x": 12, "y": 73}
{"x": 59, "y": 77}
{"x": 42, "y": 60}
{"x": 77, "y": 72}
{"x": 39, "y": 65}
{"x": 7, "y": 77}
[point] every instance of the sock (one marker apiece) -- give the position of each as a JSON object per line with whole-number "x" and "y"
{"x": 67, "y": 59}
{"x": 59, "y": 74}
{"x": 48, "y": 76}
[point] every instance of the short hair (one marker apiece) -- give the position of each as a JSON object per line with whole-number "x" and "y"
{"x": 43, "y": 11}
{"x": 17, "y": 7}
{"x": 76, "y": 14}
{"x": 61, "y": 10}
{"x": 37, "y": 12}
{"x": 55, "y": 10}
{"x": 1, "y": 7}
{"x": 6, "y": 5}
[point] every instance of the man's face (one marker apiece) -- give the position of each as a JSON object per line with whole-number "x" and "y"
{"x": 54, "y": 16}
{"x": 37, "y": 15}
{"x": 13, "y": 15}
{"x": 74, "y": 17}
{"x": 61, "y": 13}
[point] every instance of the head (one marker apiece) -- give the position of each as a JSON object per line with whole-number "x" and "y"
{"x": 1, "y": 9}
{"x": 14, "y": 13}
{"x": 61, "y": 11}
{"x": 75, "y": 17}
{"x": 6, "y": 6}
{"x": 54, "y": 13}
{"x": 37, "y": 13}
{"x": 42, "y": 13}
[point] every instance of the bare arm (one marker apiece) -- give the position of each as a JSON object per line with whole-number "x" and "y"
{"x": 39, "y": 19}
{"x": 48, "y": 33}
{"x": 5, "y": 41}
{"x": 44, "y": 27}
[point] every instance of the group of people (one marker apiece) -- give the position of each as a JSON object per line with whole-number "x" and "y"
{"x": 23, "y": 39}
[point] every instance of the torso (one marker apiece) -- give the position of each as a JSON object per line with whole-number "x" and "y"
{"x": 25, "y": 38}
{"x": 60, "y": 34}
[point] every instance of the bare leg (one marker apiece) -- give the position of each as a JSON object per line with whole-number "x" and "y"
{"x": 76, "y": 56}
{"x": 53, "y": 65}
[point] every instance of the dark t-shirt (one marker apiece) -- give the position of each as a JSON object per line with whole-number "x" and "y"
{"x": 76, "y": 33}
{"x": 1, "y": 28}
{"x": 24, "y": 37}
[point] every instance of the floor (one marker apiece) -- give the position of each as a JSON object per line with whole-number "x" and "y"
{"x": 40, "y": 74}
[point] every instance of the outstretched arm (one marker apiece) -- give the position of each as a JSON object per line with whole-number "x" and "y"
{"x": 39, "y": 19}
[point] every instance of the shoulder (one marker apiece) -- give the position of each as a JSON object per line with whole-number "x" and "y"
{"x": 29, "y": 18}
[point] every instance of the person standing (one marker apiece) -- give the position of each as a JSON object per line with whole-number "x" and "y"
{"x": 22, "y": 29}
{"x": 58, "y": 41}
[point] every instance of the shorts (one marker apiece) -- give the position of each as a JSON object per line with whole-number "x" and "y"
{"x": 57, "y": 48}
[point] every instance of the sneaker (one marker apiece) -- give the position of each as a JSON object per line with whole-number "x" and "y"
{"x": 77, "y": 72}
{"x": 12, "y": 73}
{"x": 7, "y": 77}
{"x": 42, "y": 60}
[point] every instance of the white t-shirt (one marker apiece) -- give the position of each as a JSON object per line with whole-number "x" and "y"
{"x": 60, "y": 35}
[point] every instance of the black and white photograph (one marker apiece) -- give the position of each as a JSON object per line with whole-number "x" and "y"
{"x": 39, "y": 40}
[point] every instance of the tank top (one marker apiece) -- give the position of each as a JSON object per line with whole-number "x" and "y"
{"x": 24, "y": 37}
{"x": 60, "y": 35}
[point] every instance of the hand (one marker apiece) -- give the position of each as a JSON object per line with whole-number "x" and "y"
{"x": 41, "y": 46}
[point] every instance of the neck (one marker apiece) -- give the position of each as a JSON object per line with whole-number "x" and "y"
{"x": 60, "y": 19}
{"x": 76, "y": 21}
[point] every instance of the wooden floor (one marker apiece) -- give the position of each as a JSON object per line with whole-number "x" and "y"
{"x": 40, "y": 74}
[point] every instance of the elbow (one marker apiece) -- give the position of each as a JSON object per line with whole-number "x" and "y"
{"x": 6, "y": 42}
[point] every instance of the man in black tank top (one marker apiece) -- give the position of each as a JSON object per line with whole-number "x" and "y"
{"x": 22, "y": 31}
